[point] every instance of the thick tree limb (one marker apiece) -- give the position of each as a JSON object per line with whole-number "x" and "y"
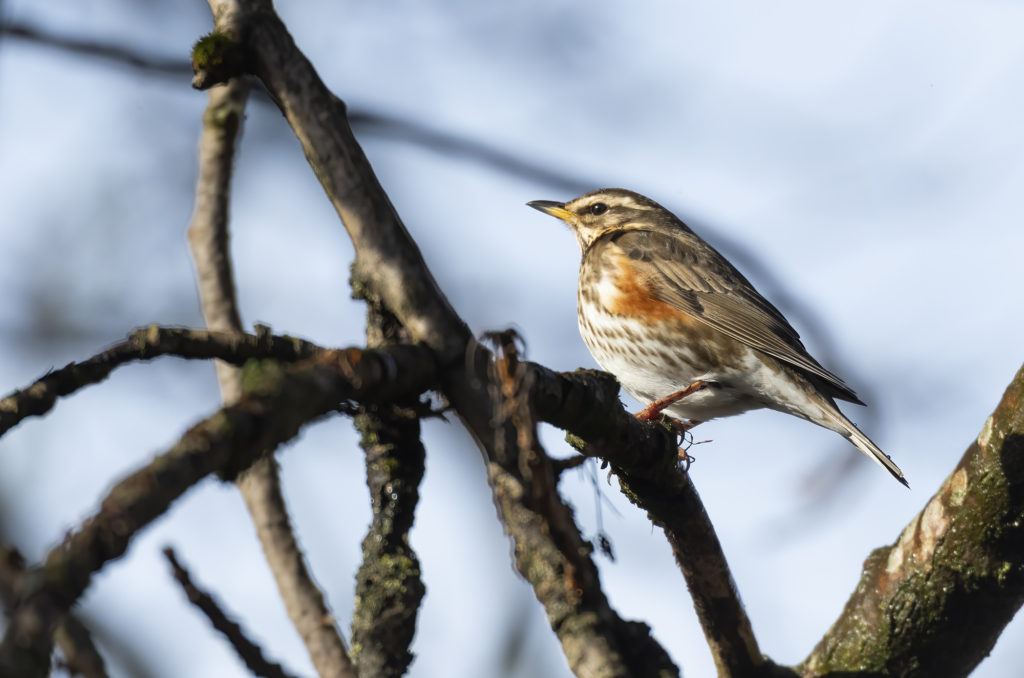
{"x": 934, "y": 603}
{"x": 145, "y": 344}
{"x": 392, "y": 270}
{"x": 260, "y": 484}
{"x": 389, "y": 587}
{"x": 278, "y": 402}
{"x": 549, "y": 549}
{"x": 386, "y": 257}
{"x": 249, "y": 652}
{"x": 392, "y": 267}
{"x": 74, "y": 640}
{"x": 645, "y": 458}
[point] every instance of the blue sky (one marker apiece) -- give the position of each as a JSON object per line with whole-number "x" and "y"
{"x": 862, "y": 163}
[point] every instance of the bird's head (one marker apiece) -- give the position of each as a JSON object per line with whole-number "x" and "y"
{"x": 606, "y": 210}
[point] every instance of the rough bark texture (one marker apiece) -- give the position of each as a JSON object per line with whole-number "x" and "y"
{"x": 278, "y": 402}
{"x": 549, "y": 548}
{"x": 930, "y": 605}
{"x": 391, "y": 266}
{"x": 389, "y": 587}
{"x": 260, "y": 484}
{"x": 934, "y": 603}
{"x": 645, "y": 459}
{"x": 74, "y": 640}
{"x": 146, "y": 344}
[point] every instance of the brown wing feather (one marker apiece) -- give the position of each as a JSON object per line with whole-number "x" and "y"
{"x": 690, "y": 275}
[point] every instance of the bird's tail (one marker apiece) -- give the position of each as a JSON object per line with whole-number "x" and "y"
{"x": 838, "y": 422}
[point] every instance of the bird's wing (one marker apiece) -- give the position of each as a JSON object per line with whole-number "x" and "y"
{"x": 690, "y": 275}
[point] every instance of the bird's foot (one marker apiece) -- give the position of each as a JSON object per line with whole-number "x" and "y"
{"x": 685, "y": 459}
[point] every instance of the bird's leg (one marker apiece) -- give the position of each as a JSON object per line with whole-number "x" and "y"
{"x": 654, "y": 410}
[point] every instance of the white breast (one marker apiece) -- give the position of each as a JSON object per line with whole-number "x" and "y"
{"x": 648, "y": 371}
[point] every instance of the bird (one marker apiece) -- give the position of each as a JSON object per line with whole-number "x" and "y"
{"x": 683, "y": 330}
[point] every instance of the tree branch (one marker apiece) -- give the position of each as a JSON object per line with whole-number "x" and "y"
{"x": 208, "y": 233}
{"x": 278, "y": 402}
{"x": 392, "y": 270}
{"x": 389, "y": 587}
{"x": 392, "y": 267}
{"x": 386, "y": 257}
{"x": 74, "y": 640}
{"x": 367, "y": 122}
{"x": 550, "y": 551}
{"x": 934, "y": 603}
{"x": 100, "y": 50}
{"x": 145, "y": 344}
{"x": 645, "y": 459}
{"x": 249, "y": 652}
{"x": 260, "y": 484}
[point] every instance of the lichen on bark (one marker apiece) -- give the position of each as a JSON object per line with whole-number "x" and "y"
{"x": 934, "y": 602}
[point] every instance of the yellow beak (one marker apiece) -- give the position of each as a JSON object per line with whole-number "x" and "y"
{"x": 555, "y": 209}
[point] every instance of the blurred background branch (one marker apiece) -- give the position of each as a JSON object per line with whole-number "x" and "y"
{"x": 282, "y": 400}
{"x": 857, "y": 173}
{"x": 365, "y": 121}
{"x": 73, "y": 639}
{"x": 248, "y": 651}
{"x": 820, "y": 484}
{"x": 260, "y": 484}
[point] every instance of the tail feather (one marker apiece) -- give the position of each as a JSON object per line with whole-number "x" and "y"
{"x": 849, "y": 430}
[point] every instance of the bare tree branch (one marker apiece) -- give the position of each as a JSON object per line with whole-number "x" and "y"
{"x": 248, "y": 651}
{"x": 934, "y": 603}
{"x": 389, "y": 587}
{"x": 550, "y": 551}
{"x": 74, "y": 640}
{"x": 145, "y": 344}
{"x": 303, "y": 599}
{"x": 386, "y": 257}
{"x": 645, "y": 458}
{"x": 93, "y": 48}
{"x": 278, "y": 402}
{"x": 961, "y": 559}
{"x": 367, "y": 122}
{"x": 391, "y": 267}
{"x": 260, "y": 484}
{"x": 208, "y": 233}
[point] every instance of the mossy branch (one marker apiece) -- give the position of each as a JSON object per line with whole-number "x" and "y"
{"x": 933, "y": 603}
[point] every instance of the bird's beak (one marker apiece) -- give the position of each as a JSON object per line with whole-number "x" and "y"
{"x": 555, "y": 209}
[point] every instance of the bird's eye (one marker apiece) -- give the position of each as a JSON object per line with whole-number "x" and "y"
{"x": 598, "y": 208}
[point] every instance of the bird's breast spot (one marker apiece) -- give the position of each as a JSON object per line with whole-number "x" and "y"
{"x": 622, "y": 292}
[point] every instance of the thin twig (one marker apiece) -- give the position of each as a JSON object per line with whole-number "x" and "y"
{"x": 249, "y": 652}
{"x": 94, "y": 48}
{"x": 146, "y": 344}
{"x": 367, "y": 122}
